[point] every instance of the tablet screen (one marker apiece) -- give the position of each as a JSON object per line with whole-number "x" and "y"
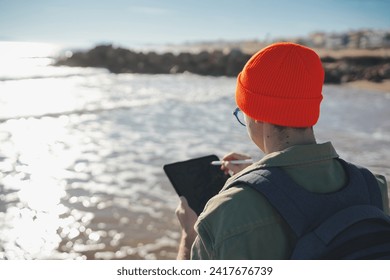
{"x": 197, "y": 180}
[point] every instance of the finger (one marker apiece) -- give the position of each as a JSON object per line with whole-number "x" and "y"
{"x": 235, "y": 168}
{"x": 180, "y": 207}
{"x": 183, "y": 201}
{"x": 233, "y": 156}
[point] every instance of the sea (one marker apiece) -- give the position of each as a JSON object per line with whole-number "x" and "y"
{"x": 82, "y": 151}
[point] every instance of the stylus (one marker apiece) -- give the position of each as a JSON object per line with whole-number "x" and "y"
{"x": 243, "y": 161}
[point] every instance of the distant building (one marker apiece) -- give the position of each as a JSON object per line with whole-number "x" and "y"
{"x": 354, "y": 40}
{"x": 360, "y": 39}
{"x": 372, "y": 39}
{"x": 317, "y": 39}
{"x": 336, "y": 41}
{"x": 386, "y": 40}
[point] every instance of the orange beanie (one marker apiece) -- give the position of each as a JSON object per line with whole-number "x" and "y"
{"x": 282, "y": 84}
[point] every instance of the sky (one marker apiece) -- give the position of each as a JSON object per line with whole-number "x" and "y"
{"x": 142, "y": 22}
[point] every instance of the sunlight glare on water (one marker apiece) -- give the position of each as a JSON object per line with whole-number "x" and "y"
{"x": 37, "y": 183}
{"x": 20, "y": 59}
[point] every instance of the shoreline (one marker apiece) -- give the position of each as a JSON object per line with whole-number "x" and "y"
{"x": 383, "y": 87}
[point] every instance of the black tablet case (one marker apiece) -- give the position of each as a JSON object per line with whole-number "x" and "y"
{"x": 196, "y": 179}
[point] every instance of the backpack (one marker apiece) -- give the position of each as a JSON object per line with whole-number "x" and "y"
{"x": 347, "y": 224}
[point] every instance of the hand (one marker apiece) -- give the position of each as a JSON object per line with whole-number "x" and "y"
{"x": 187, "y": 218}
{"x": 230, "y": 168}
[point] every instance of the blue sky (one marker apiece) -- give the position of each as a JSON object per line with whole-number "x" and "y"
{"x": 129, "y": 22}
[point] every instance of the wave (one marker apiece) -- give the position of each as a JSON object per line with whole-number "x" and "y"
{"x": 53, "y": 73}
{"x": 134, "y": 104}
{"x": 59, "y": 76}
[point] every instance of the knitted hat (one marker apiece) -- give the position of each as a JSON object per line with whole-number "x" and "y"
{"x": 282, "y": 84}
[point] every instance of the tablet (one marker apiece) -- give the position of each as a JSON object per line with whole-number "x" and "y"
{"x": 196, "y": 179}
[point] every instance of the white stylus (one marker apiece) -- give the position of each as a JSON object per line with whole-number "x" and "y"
{"x": 243, "y": 161}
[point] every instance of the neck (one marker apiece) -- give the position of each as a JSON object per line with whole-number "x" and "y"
{"x": 277, "y": 139}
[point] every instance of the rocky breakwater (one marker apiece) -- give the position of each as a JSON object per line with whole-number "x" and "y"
{"x": 356, "y": 68}
{"x": 120, "y": 60}
{"x": 218, "y": 63}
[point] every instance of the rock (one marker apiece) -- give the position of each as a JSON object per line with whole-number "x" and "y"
{"x": 385, "y": 71}
{"x": 332, "y": 76}
{"x": 328, "y": 59}
{"x": 235, "y": 62}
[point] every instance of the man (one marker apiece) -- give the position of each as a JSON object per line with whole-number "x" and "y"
{"x": 279, "y": 91}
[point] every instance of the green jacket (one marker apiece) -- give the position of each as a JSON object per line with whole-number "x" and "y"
{"x": 239, "y": 223}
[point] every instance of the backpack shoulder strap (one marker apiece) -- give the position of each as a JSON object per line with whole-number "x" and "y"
{"x": 303, "y": 210}
{"x": 375, "y": 194}
{"x": 263, "y": 180}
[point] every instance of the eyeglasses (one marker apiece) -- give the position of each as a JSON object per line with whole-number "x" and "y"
{"x": 239, "y": 116}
